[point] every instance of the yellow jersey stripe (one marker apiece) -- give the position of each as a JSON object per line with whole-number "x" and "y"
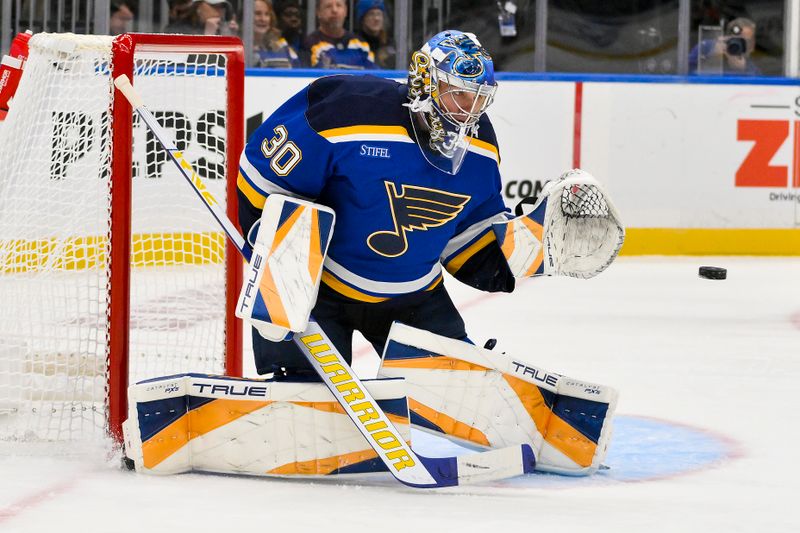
{"x": 364, "y": 129}
{"x": 484, "y": 148}
{"x": 354, "y": 294}
{"x": 455, "y": 264}
{"x": 255, "y": 198}
{"x": 435, "y": 283}
{"x": 329, "y": 280}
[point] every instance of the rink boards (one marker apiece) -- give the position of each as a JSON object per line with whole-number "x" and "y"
{"x": 708, "y": 167}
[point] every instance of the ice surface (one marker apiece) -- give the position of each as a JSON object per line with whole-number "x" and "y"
{"x": 705, "y": 441}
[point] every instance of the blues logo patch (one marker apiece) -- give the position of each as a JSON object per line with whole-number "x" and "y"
{"x": 414, "y": 208}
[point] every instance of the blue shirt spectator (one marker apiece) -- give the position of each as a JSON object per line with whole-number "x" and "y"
{"x": 331, "y": 46}
{"x": 270, "y": 48}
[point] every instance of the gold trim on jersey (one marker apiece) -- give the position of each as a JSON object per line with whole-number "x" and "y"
{"x": 366, "y": 132}
{"x": 317, "y": 49}
{"x": 255, "y": 198}
{"x": 354, "y": 294}
{"x": 329, "y": 280}
{"x": 483, "y": 148}
{"x": 455, "y": 264}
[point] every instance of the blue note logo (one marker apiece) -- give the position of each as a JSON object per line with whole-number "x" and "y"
{"x": 374, "y": 151}
{"x": 414, "y": 208}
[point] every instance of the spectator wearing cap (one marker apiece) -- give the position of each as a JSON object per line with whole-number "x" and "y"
{"x": 371, "y": 24}
{"x": 290, "y": 23}
{"x": 270, "y": 48}
{"x": 331, "y": 46}
{"x": 205, "y": 17}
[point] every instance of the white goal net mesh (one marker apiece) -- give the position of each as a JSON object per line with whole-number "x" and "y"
{"x": 55, "y": 206}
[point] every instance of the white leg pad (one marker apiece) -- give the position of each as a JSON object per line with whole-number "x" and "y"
{"x": 205, "y": 423}
{"x": 490, "y": 400}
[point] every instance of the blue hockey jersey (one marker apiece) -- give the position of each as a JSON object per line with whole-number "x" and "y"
{"x": 347, "y": 142}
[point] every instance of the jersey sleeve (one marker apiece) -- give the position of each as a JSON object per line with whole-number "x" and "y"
{"x": 285, "y": 155}
{"x": 473, "y": 255}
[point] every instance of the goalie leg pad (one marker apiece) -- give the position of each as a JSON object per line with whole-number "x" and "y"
{"x": 196, "y": 422}
{"x": 487, "y": 400}
{"x": 282, "y": 280}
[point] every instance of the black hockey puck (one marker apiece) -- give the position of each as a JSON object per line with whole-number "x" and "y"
{"x": 713, "y": 272}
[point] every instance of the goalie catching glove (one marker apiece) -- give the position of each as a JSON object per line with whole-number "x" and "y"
{"x": 282, "y": 280}
{"x": 573, "y": 230}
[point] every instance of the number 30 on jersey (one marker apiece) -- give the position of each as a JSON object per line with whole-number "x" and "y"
{"x": 283, "y": 156}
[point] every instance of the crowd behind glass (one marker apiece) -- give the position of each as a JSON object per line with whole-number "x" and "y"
{"x": 742, "y": 37}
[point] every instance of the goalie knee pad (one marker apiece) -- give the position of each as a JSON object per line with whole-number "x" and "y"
{"x": 282, "y": 280}
{"x": 196, "y": 422}
{"x": 488, "y": 400}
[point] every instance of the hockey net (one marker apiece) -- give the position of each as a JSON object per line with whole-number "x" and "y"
{"x": 111, "y": 270}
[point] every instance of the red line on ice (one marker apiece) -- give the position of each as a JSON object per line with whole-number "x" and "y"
{"x": 35, "y": 499}
{"x": 734, "y": 450}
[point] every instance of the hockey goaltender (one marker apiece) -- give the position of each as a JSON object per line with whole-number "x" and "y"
{"x": 409, "y": 175}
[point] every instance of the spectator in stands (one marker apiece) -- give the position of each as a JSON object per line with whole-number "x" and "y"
{"x": 734, "y": 48}
{"x": 371, "y": 27}
{"x": 178, "y": 10}
{"x": 331, "y": 46}
{"x": 205, "y": 17}
{"x": 269, "y": 47}
{"x": 121, "y": 19}
{"x": 290, "y": 23}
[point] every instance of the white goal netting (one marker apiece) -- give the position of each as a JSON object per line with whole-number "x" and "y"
{"x": 56, "y": 200}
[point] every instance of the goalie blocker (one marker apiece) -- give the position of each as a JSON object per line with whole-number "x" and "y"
{"x": 282, "y": 281}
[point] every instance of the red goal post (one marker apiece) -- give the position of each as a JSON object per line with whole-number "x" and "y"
{"x": 111, "y": 269}
{"x": 123, "y": 49}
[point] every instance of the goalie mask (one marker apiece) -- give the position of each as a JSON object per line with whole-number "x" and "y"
{"x": 450, "y": 85}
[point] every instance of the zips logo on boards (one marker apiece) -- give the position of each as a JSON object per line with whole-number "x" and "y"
{"x": 769, "y": 136}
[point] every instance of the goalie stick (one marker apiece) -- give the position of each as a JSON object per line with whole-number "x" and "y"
{"x": 402, "y": 462}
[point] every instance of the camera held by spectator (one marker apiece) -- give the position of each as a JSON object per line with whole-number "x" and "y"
{"x": 728, "y": 53}
{"x": 735, "y": 42}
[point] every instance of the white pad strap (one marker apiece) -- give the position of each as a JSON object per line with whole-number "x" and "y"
{"x": 573, "y": 230}
{"x": 282, "y": 281}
